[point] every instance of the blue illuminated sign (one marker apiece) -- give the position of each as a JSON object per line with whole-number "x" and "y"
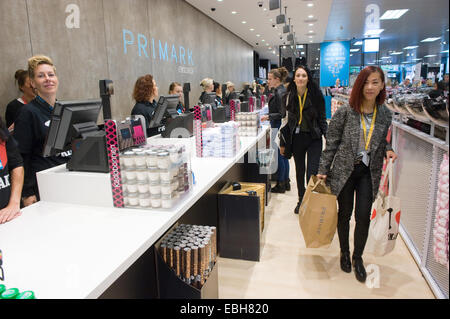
{"x": 334, "y": 63}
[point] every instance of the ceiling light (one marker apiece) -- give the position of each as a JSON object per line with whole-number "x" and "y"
{"x": 310, "y": 37}
{"x": 446, "y": 51}
{"x": 358, "y": 43}
{"x": 393, "y": 14}
{"x": 417, "y": 59}
{"x": 310, "y": 5}
{"x": 373, "y": 32}
{"x": 244, "y": 22}
{"x": 311, "y": 24}
{"x": 310, "y": 16}
{"x": 265, "y": 9}
{"x": 219, "y": 0}
{"x": 396, "y": 53}
{"x": 258, "y": 35}
{"x": 354, "y": 50}
{"x": 233, "y": 12}
{"x": 385, "y": 57}
{"x": 351, "y": 54}
{"x": 406, "y": 62}
{"x": 252, "y": 29}
{"x": 410, "y": 47}
{"x": 263, "y": 40}
{"x": 430, "y": 39}
{"x": 310, "y": 41}
{"x": 430, "y": 56}
{"x": 310, "y": 31}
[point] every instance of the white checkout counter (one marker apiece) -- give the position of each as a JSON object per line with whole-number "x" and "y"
{"x": 75, "y": 244}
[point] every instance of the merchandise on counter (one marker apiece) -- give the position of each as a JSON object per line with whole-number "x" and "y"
{"x": 441, "y": 221}
{"x": 191, "y": 251}
{"x": 14, "y": 293}
{"x": 221, "y": 140}
{"x": 249, "y": 123}
{"x": 155, "y": 176}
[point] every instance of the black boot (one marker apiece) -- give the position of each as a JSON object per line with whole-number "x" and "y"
{"x": 279, "y": 188}
{"x": 287, "y": 185}
{"x": 360, "y": 271}
{"x": 297, "y": 208}
{"x": 346, "y": 264}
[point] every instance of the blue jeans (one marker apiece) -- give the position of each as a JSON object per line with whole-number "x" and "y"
{"x": 283, "y": 162}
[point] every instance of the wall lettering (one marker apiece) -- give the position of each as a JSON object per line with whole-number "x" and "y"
{"x": 73, "y": 19}
{"x": 166, "y": 51}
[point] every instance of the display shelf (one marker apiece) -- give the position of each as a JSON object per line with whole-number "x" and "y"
{"x": 415, "y": 182}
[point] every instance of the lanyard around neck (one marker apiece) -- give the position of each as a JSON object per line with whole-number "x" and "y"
{"x": 372, "y": 125}
{"x": 302, "y": 104}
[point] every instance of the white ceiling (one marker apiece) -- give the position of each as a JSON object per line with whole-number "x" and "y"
{"x": 261, "y": 20}
{"x": 336, "y": 20}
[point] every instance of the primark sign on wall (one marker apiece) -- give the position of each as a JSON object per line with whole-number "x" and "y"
{"x": 334, "y": 63}
{"x": 157, "y": 49}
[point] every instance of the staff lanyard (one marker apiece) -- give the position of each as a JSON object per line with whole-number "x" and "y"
{"x": 302, "y": 104}
{"x": 372, "y": 125}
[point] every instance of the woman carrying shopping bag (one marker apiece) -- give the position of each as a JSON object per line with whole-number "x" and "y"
{"x": 353, "y": 158}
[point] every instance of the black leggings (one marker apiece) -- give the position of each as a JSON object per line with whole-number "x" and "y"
{"x": 303, "y": 145}
{"x": 361, "y": 182}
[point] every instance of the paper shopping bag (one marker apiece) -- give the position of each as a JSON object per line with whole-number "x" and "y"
{"x": 318, "y": 214}
{"x": 384, "y": 221}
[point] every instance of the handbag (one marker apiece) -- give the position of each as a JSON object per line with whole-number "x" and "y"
{"x": 318, "y": 214}
{"x": 384, "y": 220}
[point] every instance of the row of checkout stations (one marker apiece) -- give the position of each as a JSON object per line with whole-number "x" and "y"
{"x": 138, "y": 216}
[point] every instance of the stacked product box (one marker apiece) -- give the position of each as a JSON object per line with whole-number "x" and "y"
{"x": 155, "y": 176}
{"x": 249, "y": 123}
{"x": 191, "y": 252}
{"x": 221, "y": 140}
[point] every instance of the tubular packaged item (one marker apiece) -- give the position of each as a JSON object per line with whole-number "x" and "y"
{"x": 441, "y": 222}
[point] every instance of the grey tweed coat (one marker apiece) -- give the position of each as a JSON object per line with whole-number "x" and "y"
{"x": 342, "y": 140}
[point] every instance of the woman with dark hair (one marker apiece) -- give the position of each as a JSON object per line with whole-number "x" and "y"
{"x": 11, "y": 176}
{"x": 144, "y": 93}
{"x": 353, "y": 158}
{"x": 218, "y": 91}
{"x": 15, "y": 106}
{"x": 306, "y": 125}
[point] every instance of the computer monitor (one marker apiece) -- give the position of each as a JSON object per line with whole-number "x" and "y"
{"x": 209, "y": 98}
{"x": 167, "y": 107}
{"x": 69, "y": 120}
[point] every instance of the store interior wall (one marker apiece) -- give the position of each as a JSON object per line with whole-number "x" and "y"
{"x": 119, "y": 40}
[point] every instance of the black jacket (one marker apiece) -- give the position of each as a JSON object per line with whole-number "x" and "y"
{"x": 146, "y": 109}
{"x": 12, "y": 111}
{"x": 30, "y": 132}
{"x": 277, "y": 111}
{"x": 314, "y": 114}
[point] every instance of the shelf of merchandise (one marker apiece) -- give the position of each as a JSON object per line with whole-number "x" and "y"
{"x": 416, "y": 183}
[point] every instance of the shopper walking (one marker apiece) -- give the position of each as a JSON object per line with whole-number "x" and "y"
{"x": 277, "y": 112}
{"x": 32, "y": 124}
{"x": 144, "y": 93}
{"x": 11, "y": 176}
{"x": 307, "y": 124}
{"x": 353, "y": 158}
{"x": 15, "y": 106}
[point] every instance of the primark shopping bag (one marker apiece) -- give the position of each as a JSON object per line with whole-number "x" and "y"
{"x": 318, "y": 214}
{"x": 385, "y": 219}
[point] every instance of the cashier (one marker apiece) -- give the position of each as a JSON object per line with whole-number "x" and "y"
{"x": 144, "y": 93}
{"x": 32, "y": 124}
{"x": 175, "y": 88}
{"x": 11, "y": 176}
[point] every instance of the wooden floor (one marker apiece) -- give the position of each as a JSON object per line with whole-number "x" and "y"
{"x": 288, "y": 270}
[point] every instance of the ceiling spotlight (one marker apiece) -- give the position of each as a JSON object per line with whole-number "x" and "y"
{"x": 310, "y": 5}
{"x": 310, "y": 16}
{"x": 233, "y": 12}
{"x": 244, "y": 22}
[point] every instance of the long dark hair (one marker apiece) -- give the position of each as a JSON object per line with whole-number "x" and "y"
{"x": 356, "y": 98}
{"x": 313, "y": 90}
{"x": 3, "y": 131}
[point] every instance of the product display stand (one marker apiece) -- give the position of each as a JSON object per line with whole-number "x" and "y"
{"x": 416, "y": 183}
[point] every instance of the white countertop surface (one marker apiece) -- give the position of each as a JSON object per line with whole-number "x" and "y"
{"x": 61, "y": 250}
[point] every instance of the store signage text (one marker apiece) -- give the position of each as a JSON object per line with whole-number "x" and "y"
{"x": 155, "y": 48}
